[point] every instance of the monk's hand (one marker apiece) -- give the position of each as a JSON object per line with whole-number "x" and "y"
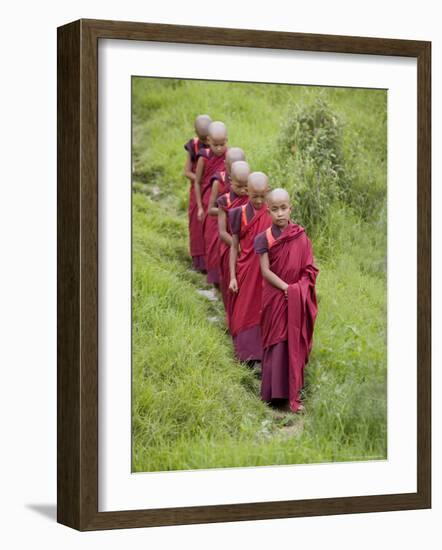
{"x": 233, "y": 286}
{"x": 285, "y": 290}
{"x": 200, "y": 214}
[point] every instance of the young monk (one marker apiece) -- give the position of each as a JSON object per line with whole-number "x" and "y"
{"x": 221, "y": 183}
{"x": 209, "y": 164}
{"x": 233, "y": 155}
{"x": 246, "y": 222}
{"x": 193, "y": 147}
{"x": 289, "y": 305}
{"x": 237, "y": 196}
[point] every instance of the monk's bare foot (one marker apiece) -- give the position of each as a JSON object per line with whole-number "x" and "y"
{"x": 281, "y": 405}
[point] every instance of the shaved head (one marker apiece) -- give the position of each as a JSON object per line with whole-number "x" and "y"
{"x": 258, "y": 181}
{"x": 234, "y": 154}
{"x": 257, "y": 189}
{"x": 240, "y": 170}
{"x": 278, "y": 194}
{"x": 217, "y": 130}
{"x": 202, "y": 123}
{"x": 278, "y": 201}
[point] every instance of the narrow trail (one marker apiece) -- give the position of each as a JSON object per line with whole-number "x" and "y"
{"x": 281, "y": 424}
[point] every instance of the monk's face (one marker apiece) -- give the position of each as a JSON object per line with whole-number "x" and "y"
{"x": 218, "y": 145}
{"x": 257, "y": 195}
{"x": 239, "y": 186}
{"x": 279, "y": 208}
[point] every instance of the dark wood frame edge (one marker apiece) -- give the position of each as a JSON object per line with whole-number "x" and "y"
{"x": 77, "y": 274}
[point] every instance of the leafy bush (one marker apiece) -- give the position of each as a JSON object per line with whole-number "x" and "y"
{"x": 193, "y": 405}
{"x": 310, "y": 161}
{"x": 313, "y": 163}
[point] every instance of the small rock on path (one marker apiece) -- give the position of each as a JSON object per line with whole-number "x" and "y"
{"x": 209, "y": 294}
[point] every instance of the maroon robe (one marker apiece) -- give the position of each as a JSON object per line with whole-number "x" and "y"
{"x": 246, "y": 303}
{"x": 196, "y": 238}
{"x": 287, "y": 323}
{"x": 211, "y": 235}
{"x": 214, "y": 168}
{"x": 226, "y": 202}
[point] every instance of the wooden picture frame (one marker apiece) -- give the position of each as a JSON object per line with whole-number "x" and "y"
{"x": 77, "y": 315}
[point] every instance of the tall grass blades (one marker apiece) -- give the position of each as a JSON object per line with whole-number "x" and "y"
{"x": 193, "y": 405}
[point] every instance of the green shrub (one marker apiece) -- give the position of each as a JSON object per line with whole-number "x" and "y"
{"x": 313, "y": 162}
{"x": 194, "y": 406}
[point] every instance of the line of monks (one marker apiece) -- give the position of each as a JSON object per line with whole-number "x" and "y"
{"x": 242, "y": 237}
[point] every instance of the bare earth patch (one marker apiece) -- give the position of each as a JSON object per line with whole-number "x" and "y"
{"x": 209, "y": 294}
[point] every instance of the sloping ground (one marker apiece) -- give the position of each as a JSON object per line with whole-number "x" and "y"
{"x": 194, "y": 406}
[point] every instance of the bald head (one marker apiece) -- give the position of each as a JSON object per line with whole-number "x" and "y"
{"x": 257, "y": 189}
{"x": 278, "y": 195}
{"x": 258, "y": 181}
{"x": 240, "y": 171}
{"x": 217, "y": 130}
{"x": 278, "y": 201}
{"x": 233, "y": 155}
{"x": 202, "y": 123}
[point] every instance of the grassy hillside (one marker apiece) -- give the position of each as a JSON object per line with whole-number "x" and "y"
{"x": 194, "y": 406}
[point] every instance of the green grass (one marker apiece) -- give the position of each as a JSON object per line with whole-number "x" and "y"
{"x": 194, "y": 406}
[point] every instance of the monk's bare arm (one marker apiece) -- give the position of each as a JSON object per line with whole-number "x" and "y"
{"x": 268, "y": 275}
{"x": 232, "y": 263}
{"x": 222, "y": 227}
{"x": 213, "y": 209}
{"x": 198, "y": 177}
{"x": 187, "y": 172}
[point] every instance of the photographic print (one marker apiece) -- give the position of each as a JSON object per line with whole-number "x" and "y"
{"x": 222, "y": 275}
{"x": 259, "y": 274}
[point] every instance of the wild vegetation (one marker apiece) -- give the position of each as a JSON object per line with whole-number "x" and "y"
{"x": 194, "y": 406}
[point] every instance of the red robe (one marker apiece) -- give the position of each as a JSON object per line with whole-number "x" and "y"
{"x": 290, "y": 320}
{"x": 196, "y": 239}
{"x": 226, "y": 202}
{"x": 214, "y": 168}
{"x": 246, "y": 303}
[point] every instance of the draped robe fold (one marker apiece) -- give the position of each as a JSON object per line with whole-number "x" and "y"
{"x": 226, "y": 202}
{"x": 246, "y": 303}
{"x": 214, "y": 168}
{"x": 211, "y": 235}
{"x": 289, "y": 320}
{"x": 196, "y": 239}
